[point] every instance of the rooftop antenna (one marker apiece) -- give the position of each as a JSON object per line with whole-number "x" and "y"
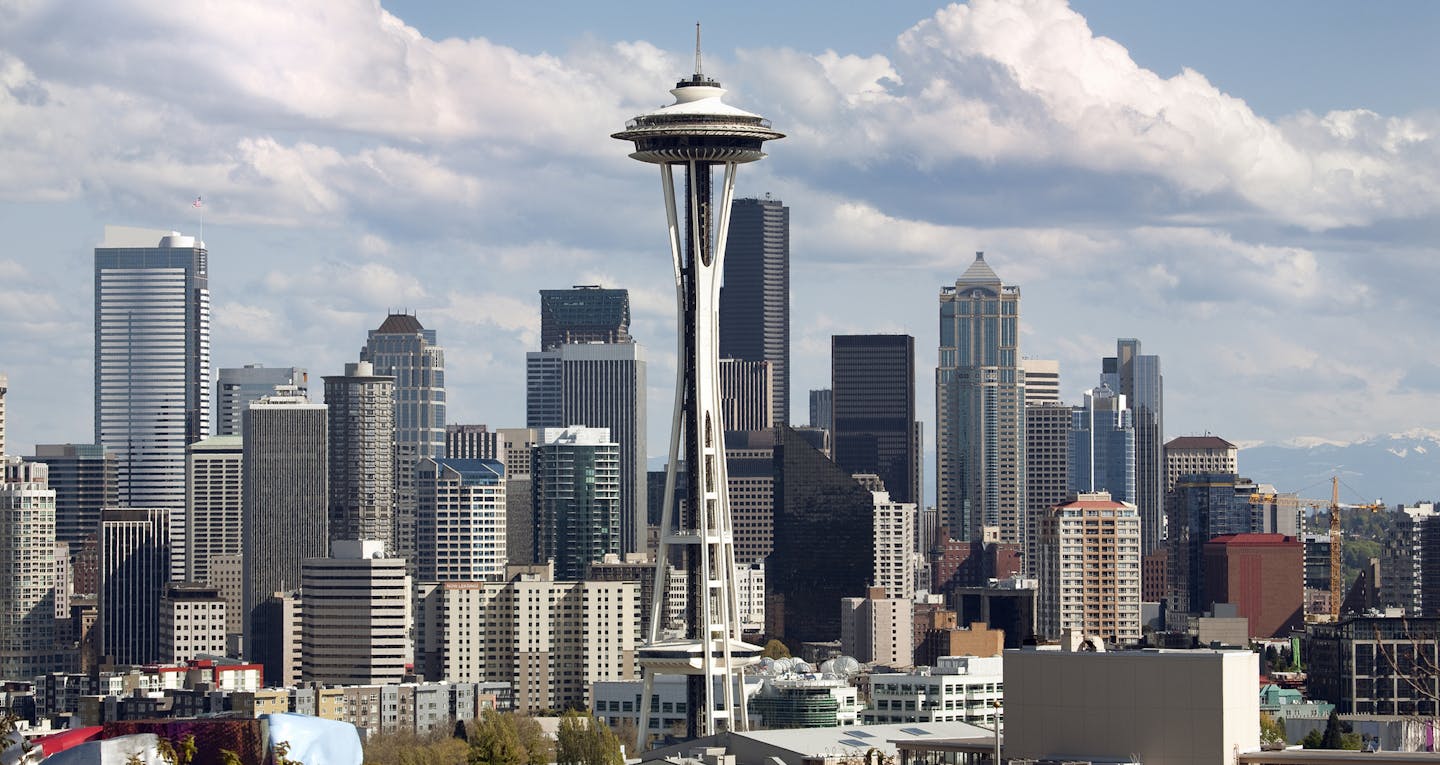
{"x": 698, "y": 71}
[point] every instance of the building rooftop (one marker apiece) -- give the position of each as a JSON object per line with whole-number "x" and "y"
{"x": 1255, "y": 539}
{"x": 979, "y": 272}
{"x": 400, "y": 324}
{"x": 1198, "y": 442}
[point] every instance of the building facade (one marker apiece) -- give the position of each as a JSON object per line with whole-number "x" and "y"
{"x": 1090, "y": 569}
{"x": 361, "y": 427}
{"x": 215, "y": 507}
{"x": 755, "y": 299}
{"x": 1194, "y": 455}
{"x": 83, "y": 477}
{"x": 1137, "y": 377}
{"x": 747, "y": 400}
{"x": 192, "y": 622}
{"x": 355, "y": 614}
{"x": 284, "y": 496}
{"x": 461, "y": 524}
{"x": 1201, "y": 507}
{"x": 597, "y": 385}
{"x": 134, "y": 567}
{"x": 1047, "y": 469}
{"x": 896, "y": 555}
{"x": 403, "y": 349}
{"x": 586, "y": 313}
{"x": 152, "y": 363}
{"x": 1263, "y": 575}
{"x": 28, "y": 581}
{"x": 236, "y": 387}
{"x": 980, "y": 408}
{"x": 1102, "y": 446}
{"x": 969, "y": 689}
{"x": 822, "y": 402}
{"x": 577, "y": 487}
{"x": 872, "y": 380}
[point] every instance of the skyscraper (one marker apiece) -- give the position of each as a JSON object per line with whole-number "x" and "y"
{"x": 238, "y": 386}
{"x": 1137, "y": 377}
{"x": 873, "y": 382}
{"x": 361, "y": 424}
{"x": 1102, "y": 446}
{"x": 979, "y": 407}
{"x": 1042, "y": 381}
{"x": 285, "y": 497}
{"x": 1090, "y": 569}
{"x": 84, "y": 481}
{"x": 755, "y": 301}
{"x": 134, "y": 567}
{"x": 215, "y": 518}
{"x": 403, "y": 349}
{"x": 821, "y": 402}
{"x": 28, "y": 579}
{"x": 586, "y": 313}
{"x": 747, "y": 393}
{"x": 576, "y": 475}
{"x": 597, "y": 385}
{"x": 1047, "y": 470}
{"x": 460, "y": 526}
{"x": 152, "y": 363}
{"x": 4, "y": 388}
{"x": 1202, "y": 506}
{"x": 355, "y": 610}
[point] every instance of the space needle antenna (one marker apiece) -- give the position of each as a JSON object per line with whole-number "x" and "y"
{"x": 698, "y": 71}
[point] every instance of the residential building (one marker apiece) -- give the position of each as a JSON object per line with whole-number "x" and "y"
{"x": 284, "y": 496}
{"x": 747, "y": 399}
{"x": 824, "y": 542}
{"x": 403, "y": 349}
{"x": 28, "y": 583}
{"x": 1047, "y": 469}
{"x": 968, "y": 689}
{"x": 821, "y": 412}
{"x": 755, "y": 299}
{"x": 550, "y": 640}
{"x": 1117, "y": 706}
{"x": 586, "y": 313}
{"x": 980, "y": 408}
{"x": 355, "y": 614}
{"x": 460, "y": 524}
{"x": 1090, "y": 569}
{"x": 1137, "y": 377}
{"x": 215, "y": 508}
{"x": 1102, "y": 446}
{"x": 362, "y": 443}
{"x": 1375, "y": 665}
{"x": 1195, "y": 455}
{"x": 896, "y": 556}
{"x": 598, "y": 385}
{"x": 577, "y": 488}
{"x": 236, "y": 387}
{"x": 152, "y": 364}
{"x": 1263, "y": 576}
{"x": 192, "y": 621}
{"x": 134, "y": 566}
{"x": 872, "y": 379}
{"x": 1411, "y": 562}
{"x": 750, "y": 587}
{"x": 879, "y": 629}
{"x": 84, "y": 479}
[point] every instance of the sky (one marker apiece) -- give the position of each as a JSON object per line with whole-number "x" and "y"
{"x": 1251, "y": 191}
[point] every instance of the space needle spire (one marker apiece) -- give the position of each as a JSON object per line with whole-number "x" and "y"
{"x": 698, "y": 135}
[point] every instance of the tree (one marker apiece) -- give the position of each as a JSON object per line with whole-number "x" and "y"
{"x": 508, "y": 739}
{"x": 1272, "y": 731}
{"x": 1313, "y": 739}
{"x": 1330, "y": 739}
{"x": 775, "y": 650}
{"x": 584, "y": 740}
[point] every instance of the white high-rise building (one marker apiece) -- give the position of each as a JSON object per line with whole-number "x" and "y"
{"x": 1042, "y": 381}
{"x": 1090, "y": 569}
{"x": 27, "y": 570}
{"x": 896, "y": 557}
{"x": 550, "y": 640}
{"x": 215, "y": 508}
{"x": 152, "y": 364}
{"x": 192, "y": 622}
{"x": 460, "y": 524}
{"x": 356, "y": 612}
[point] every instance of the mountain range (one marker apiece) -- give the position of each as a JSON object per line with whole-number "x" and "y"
{"x": 1396, "y": 467}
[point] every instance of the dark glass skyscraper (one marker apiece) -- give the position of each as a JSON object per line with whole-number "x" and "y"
{"x": 872, "y": 379}
{"x": 1137, "y": 378}
{"x": 755, "y": 300}
{"x": 584, "y": 314}
{"x": 824, "y": 542}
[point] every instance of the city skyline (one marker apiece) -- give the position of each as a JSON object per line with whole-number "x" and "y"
{"x": 1252, "y": 280}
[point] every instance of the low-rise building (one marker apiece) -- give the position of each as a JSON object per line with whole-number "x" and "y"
{"x": 968, "y": 689}
{"x": 1382, "y": 665}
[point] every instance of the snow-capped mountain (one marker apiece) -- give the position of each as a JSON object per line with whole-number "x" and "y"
{"x": 1397, "y": 467}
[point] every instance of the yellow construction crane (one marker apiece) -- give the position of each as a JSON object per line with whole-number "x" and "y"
{"x": 1336, "y": 577}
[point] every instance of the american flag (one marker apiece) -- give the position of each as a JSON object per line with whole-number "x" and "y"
{"x": 197, "y": 203}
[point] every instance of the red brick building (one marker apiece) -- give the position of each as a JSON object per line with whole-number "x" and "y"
{"x": 1263, "y": 575}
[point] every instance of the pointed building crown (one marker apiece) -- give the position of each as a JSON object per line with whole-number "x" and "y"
{"x": 979, "y": 272}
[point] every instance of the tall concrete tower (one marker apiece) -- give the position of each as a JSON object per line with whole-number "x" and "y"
{"x": 698, "y": 133}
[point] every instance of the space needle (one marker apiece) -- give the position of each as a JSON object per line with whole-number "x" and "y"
{"x": 698, "y": 134}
